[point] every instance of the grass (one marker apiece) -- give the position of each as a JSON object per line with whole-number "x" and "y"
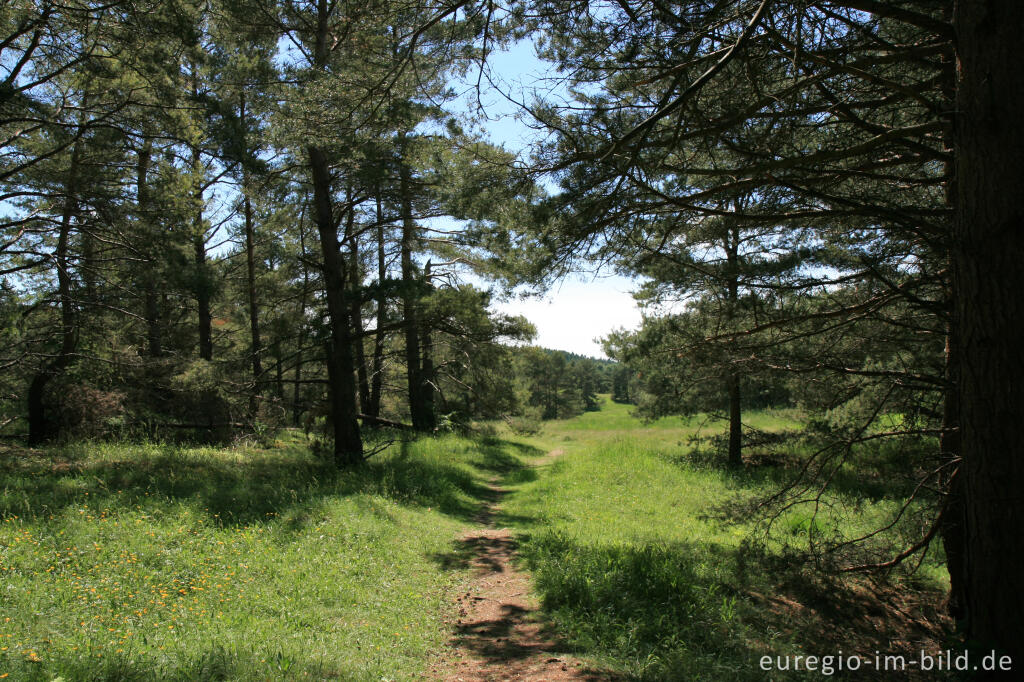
{"x": 636, "y": 563}
{"x": 150, "y": 562}
{"x": 161, "y": 562}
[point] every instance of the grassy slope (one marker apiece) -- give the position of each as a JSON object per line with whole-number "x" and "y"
{"x": 150, "y": 562}
{"x": 635, "y": 562}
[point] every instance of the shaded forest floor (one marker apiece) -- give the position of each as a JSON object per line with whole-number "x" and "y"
{"x": 615, "y": 559}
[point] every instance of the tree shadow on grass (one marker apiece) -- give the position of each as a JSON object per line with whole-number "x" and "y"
{"x": 698, "y": 611}
{"x": 503, "y": 456}
{"x": 291, "y": 486}
{"x": 874, "y": 470}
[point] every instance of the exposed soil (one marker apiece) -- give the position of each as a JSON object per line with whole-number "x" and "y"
{"x": 498, "y": 633}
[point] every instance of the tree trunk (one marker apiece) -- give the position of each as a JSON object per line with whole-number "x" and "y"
{"x": 278, "y": 372}
{"x": 422, "y": 418}
{"x": 428, "y": 382}
{"x": 203, "y": 281}
{"x": 297, "y": 390}
{"x": 151, "y": 299}
{"x": 301, "y": 341}
{"x": 377, "y": 374}
{"x": 988, "y": 232}
{"x": 256, "y": 346}
{"x": 735, "y": 421}
{"x": 40, "y": 429}
{"x": 732, "y": 376}
{"x": 952, "y": 520}
{"x": 356, "y": 311}
{"x": 348, "y": 443}
{"x": 250, "y": 270}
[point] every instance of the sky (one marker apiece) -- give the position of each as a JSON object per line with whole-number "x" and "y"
{"x": 579, "y": 309}
{"x": 577, "y": 312}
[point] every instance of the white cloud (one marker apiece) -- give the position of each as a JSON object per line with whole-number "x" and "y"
{"x": 575, "y": 313}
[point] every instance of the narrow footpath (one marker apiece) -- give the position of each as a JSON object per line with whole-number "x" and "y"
{"x": 497, "y": 633}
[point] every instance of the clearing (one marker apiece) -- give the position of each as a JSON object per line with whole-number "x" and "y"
{"x": 450, "y": 557}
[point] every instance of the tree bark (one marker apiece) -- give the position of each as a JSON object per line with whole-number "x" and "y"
{"x": 377, "y": 373}
{"x": 250, "y": 270}
{"x": 953, "y": 522}
{"x": 988, "y": 231}
{"x": 256, "y": 346}
{"x": 348, "y": 443}
{"x": 203, "y": 281}
{"x": 732, "y": 376}
{"x": 301, "y": 342}
{"x": 428, "y": 380}
{"x": 204, "y": 317}
{"x": 356, "y": 312}
{"x": 735, "y": 421}
{"x": 40, "y": 429}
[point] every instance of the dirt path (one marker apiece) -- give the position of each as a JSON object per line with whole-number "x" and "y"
{"x": 497, "y": 634}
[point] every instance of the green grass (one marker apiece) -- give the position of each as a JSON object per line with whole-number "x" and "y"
{"x": 142, "y": 562}
{"x": 637, "y": 563}
{"x": 162, "y": 562}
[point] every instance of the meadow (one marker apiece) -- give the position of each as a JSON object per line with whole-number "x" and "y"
{"x": 641, "y": 561}
{"x": 163, "y": 562}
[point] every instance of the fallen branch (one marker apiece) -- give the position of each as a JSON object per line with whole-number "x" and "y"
{"x": 381, "y": 421}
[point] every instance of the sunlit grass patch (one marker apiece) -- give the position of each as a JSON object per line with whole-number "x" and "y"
{"x": 651, "y": 564}
{"x": 150, "y": 561}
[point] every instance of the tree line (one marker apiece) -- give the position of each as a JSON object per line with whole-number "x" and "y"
{"x": 217, "y": 213}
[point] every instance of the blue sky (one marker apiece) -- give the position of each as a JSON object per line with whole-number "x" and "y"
{"x": 579, "y": 309}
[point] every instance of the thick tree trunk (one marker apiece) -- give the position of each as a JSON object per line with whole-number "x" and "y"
{"x": 297, "y": 390}
{"x": 952, "y": 521}
{"x": 278, "y": 372}
{"x": 348, "y": 443}
{"x": 988, "y": 235}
